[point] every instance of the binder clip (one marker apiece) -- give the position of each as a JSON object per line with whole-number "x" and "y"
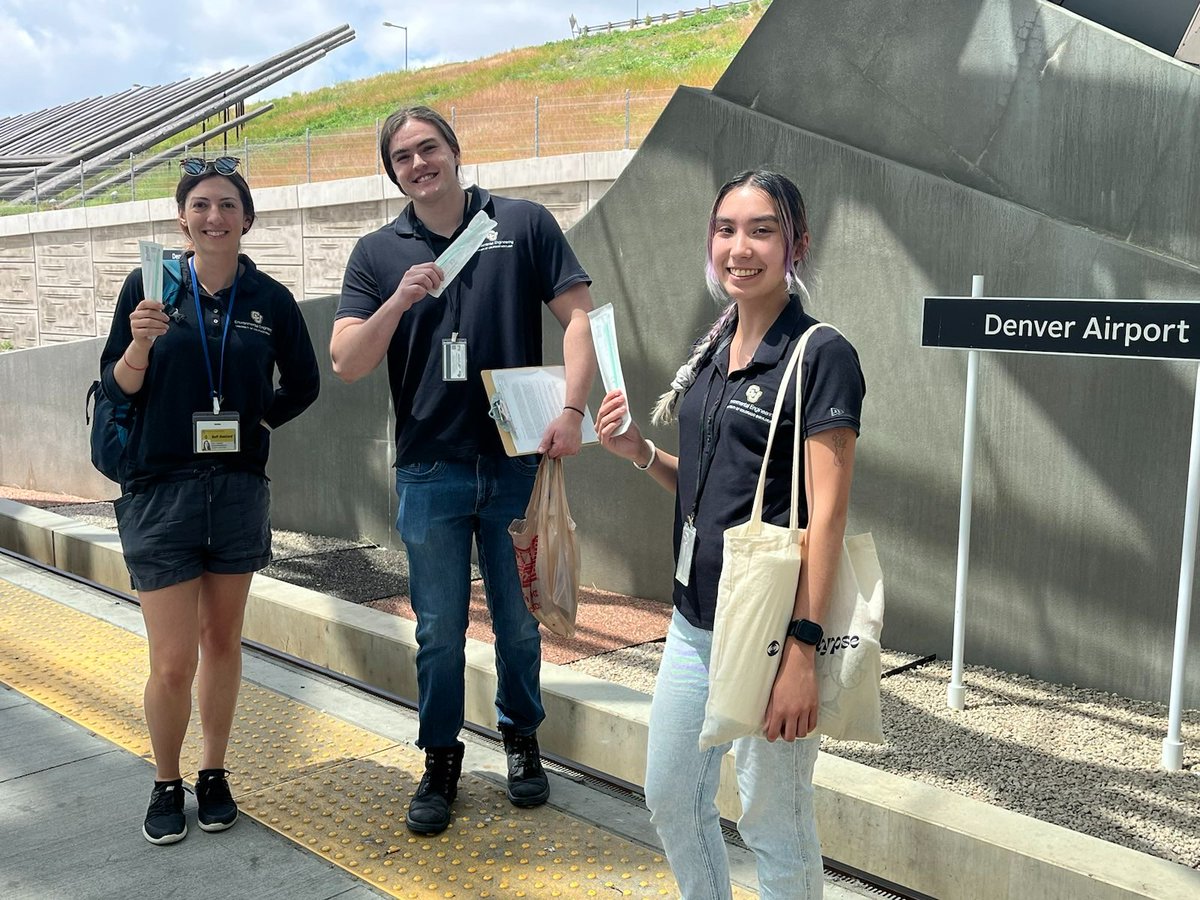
{"x": 499, "y": 412}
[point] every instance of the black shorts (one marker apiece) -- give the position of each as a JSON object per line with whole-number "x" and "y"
{"x": 174, "y": 531}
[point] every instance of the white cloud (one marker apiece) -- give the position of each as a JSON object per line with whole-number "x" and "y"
{"x": 59, "y": 52}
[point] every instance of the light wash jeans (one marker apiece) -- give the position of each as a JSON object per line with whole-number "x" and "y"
{"x": 443, "y": 505}
{"x": 774, "y": 780}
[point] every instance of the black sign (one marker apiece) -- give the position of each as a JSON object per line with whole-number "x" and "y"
{"x": 1139, "y": 328}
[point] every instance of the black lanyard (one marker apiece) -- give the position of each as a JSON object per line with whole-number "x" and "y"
{"x": 216, "y": 389}
{"x": 710, "y": 432}
{"x": 453, "y": 297}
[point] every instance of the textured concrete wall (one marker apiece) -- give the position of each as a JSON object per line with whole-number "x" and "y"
{"x": 934, "y": 141}
{"x": 329, "y": 468}
{"x": 61, "y": 271}
{"x": 1017, "y": 98}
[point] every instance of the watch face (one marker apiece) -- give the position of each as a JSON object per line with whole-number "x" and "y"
{"x": 806, "y": 632}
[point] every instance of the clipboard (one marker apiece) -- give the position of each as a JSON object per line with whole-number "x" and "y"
{"x": 524, "y": 401}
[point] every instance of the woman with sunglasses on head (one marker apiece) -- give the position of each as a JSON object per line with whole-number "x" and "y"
{"x": 758, "y": 243}
{"x": 194, "y": 514}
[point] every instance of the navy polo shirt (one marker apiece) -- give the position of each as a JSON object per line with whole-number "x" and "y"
{"x": 497, "y": 299}
{"x": 267, "y": 334}
{"x": 738, "y": 405}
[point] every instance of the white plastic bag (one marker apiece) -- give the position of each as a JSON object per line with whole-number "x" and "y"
{"x": 547, "y": 552}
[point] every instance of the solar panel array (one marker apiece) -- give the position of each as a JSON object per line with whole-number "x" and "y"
{"x": 44, "y": 154}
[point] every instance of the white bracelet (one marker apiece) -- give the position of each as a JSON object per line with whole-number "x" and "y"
{"x": 650, "y": 462}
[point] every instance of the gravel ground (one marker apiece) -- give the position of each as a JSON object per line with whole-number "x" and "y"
{"x": 1086, "y": 760}
{"x": 1082, "y": 759}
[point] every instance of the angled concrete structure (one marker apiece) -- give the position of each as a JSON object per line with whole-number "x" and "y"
{"x": 934, "y": 141}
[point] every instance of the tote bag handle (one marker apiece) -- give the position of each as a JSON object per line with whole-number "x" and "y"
{"x": 792, "y": 370}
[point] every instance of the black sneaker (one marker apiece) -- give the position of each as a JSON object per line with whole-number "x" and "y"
{"x": 429, "y": 811}
{"x": 165, "y": 823}
{"x": 527, "y": 783}
{"x": 217, "y": 809}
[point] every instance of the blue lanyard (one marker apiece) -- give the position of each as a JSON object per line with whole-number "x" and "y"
{"x": 215, "y": 389}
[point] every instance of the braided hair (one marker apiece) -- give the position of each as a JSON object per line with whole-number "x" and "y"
{"x": 793, "y": 223}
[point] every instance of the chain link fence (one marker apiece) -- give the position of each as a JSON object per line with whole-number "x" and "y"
{"x": 550, "y": 126}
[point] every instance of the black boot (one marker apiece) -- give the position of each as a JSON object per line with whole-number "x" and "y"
{"x": 429, "y": 811}
{"x": 527, "y": 784}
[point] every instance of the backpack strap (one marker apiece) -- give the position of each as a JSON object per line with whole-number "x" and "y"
{"x": 172, "y": 280}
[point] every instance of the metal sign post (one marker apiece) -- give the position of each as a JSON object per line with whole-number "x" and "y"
{"x": 1141, "y": 329}
{"x": 956, "y": 693}
{"x": 1172, "y": 754}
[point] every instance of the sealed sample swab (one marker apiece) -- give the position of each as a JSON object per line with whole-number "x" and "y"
{"x": 604, "y": 339}
{"x": 456, "y": 256}
{"x": 151, "y": 254}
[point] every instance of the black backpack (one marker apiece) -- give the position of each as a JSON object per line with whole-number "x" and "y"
{"x": 112, "y": 421}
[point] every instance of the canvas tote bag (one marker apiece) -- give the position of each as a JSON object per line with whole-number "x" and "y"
{"x": 548, "y": 552}
{"x": 760, "y": 573}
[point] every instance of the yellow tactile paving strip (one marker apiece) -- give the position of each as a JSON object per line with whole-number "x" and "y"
{"x": 333, "y": 788}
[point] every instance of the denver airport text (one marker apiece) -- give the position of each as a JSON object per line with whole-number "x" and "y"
{"x": 1146, "y": 329}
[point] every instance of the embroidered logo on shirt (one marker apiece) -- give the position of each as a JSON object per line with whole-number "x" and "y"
{"x": 492, "y": 242}
{"x": 255, "y": 324}
{"x": 835, "y": 411}
{"x": 749, "y": 407}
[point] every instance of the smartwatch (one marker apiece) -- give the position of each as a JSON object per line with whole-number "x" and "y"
{"x": 806, "y": 631}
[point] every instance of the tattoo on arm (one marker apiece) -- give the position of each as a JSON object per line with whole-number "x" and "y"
{"x": 839, "y": 450}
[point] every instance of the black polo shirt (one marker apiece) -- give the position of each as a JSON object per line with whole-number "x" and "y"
{"x": 739, "y": 406}
{"x": 498, "y": 298}
{"x": 267, "y": 334}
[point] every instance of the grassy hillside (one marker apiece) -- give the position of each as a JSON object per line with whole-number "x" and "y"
{"x": 580, "y": 84}
{"x": 693, "y": 51}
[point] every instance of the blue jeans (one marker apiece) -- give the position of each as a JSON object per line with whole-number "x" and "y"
{"x": 443, "y": 505}
{"x": 774, "y": 781}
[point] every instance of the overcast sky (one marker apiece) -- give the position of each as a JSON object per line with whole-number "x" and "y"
{"x": 57, "y": 51}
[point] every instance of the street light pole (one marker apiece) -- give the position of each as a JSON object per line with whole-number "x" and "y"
{"x": 403, "y": 28}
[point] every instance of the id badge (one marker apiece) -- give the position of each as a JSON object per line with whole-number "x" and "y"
{"x": 216, "y": 433}
{"x": 687, "y": 545}
{"x": 454, "y": 359}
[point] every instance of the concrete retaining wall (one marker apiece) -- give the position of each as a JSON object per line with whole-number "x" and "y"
{"x": 61, "y": 271}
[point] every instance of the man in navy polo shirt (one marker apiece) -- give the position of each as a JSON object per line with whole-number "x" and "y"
{"x": 453, "y": 479}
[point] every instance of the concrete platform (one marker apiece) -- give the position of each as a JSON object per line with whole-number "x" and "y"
{"x": 68, "y": 810}
{"x": 71, "y": 799}
{"x": 912, "y": 834}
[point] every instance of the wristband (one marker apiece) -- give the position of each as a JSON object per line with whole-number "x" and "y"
{"x": 135, "y": 368}
{"x": 573, "y": 409}
{"x": 650, "y": 462}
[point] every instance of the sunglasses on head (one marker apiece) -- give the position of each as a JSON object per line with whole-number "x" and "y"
{"x": 222, "y": 165}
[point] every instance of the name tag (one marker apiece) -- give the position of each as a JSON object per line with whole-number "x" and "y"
{"x": 216, "y": 433}
{"x": 687, "y": 545}
{"x": 454, "y": 359}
